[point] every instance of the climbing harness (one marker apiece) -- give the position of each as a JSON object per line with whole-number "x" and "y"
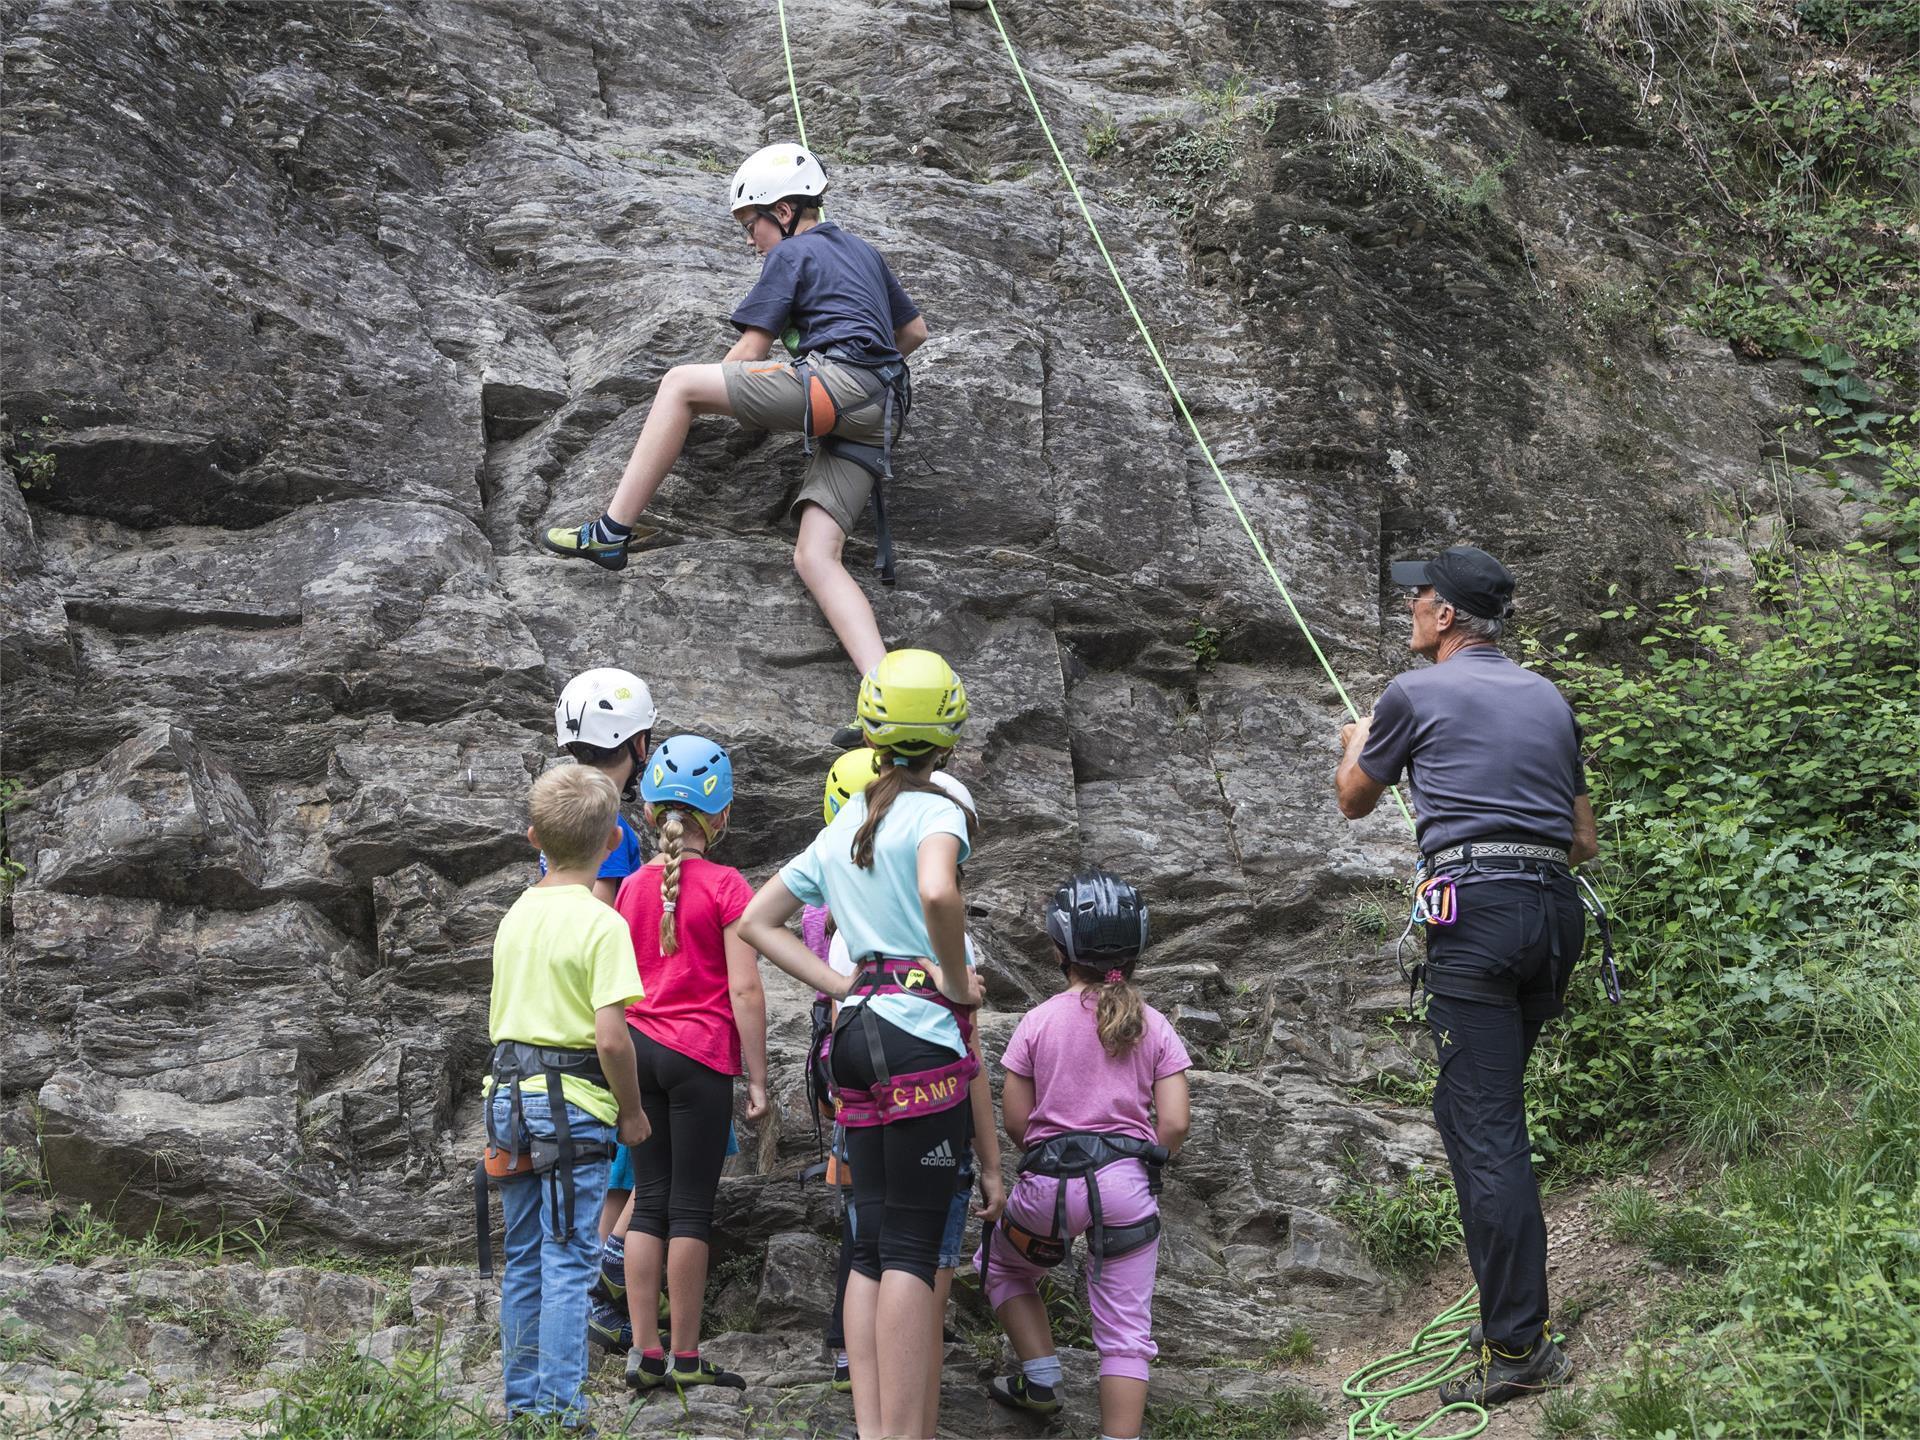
{"x": 552, "y": 1161}
{"x": 890, "y": 385}
{"x": 920, "y": 1092}
{"x": 1079, "y": 1155}
{"x": 1438, "y": 1353}
{"x": 1436, "y": 897}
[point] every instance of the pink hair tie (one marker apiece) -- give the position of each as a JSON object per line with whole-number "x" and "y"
{"x": 1115, "y": 977}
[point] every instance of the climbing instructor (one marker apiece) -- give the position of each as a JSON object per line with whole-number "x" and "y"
{"x": 1492, "y": 755}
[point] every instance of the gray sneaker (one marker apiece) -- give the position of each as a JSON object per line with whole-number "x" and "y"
{"x": 1496, "y": 1378}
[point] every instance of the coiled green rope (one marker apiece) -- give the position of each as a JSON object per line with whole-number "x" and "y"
{"x": 1438, "y": 1353}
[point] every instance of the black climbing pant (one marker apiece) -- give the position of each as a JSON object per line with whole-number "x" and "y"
{"x": 1493, "y": 979}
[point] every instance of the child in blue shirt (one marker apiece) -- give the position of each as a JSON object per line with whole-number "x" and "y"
{"x": 604, "y": 719}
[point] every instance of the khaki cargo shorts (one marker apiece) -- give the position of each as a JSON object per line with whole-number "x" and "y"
{"x": 766, "y": 394}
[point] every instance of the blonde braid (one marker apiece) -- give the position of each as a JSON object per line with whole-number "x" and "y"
{"x": 671, "y": 827}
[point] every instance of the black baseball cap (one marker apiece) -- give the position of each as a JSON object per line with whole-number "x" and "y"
{"x": 1466, "y": 578}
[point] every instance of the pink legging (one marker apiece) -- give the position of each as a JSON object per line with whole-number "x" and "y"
{"x": 1121, "y": 1295}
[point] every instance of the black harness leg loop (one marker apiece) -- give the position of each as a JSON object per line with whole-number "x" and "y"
{"x": 563, "y": 1170}
{"x": 482, "y": 1219}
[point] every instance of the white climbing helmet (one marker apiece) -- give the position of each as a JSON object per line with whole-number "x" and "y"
{"x": 775, "y": 173}
{"x": 603, "y": 707}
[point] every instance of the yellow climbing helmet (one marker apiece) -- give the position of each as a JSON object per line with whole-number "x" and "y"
{"x": 912, "y": 702}
{"x": 850, "y": 775}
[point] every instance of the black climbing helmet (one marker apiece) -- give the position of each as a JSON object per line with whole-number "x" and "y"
{"x": 1097, "y": 917}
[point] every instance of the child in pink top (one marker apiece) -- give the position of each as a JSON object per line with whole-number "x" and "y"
{"x": 703, "y": 1016}
{"x": 1096, "y": 1061}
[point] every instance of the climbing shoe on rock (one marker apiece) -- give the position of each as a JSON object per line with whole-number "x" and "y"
{"x": 585, "y": 542}
{"x": 849, "y": 737}
{"x": 1022, "y": 1394}
{"x": 703, "y": 1372}
{"x": 645, "y": 1372}
{"x": 1496, "y": 1378}
{"x": 609, "y": 1327}
{"x": 580, "y": 543}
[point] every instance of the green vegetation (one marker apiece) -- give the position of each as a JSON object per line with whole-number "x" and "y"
{"x": 1103, "y": 136}
{"x": 1296, "y": 1347}
{"x": 1286, "y": 1412}
{"x": 1204, "y": 643}
{"x": 350, "y": 1394}
{"x": 28, "y": 455}
{"x": 1404, "y": 1227}
{"x": 1758, "y": 779}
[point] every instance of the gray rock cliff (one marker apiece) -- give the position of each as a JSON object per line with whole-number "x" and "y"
{"x": 313, "y": 312}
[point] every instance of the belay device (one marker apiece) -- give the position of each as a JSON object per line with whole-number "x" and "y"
{"x": 548, "y": 1161}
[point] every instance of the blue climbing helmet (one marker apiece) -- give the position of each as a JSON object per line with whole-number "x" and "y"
{"x": 689, "y": 770}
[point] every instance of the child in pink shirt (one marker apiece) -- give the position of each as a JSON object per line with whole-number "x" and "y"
{"x": 704, "y": 1018}
{"x": 1095, "y": 1085}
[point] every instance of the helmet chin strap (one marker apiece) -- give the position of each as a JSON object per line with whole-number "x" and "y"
{"x": 630, "y": 791}
{"x": 786, "y": 231}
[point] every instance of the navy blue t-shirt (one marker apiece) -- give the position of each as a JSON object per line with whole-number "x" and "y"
{"x": 624, "y": 860}
{"x": 1490, "y": 750}
{"x": 835, "y": 289}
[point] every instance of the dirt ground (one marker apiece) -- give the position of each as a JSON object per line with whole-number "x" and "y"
{"x": 1603, "y": 1286}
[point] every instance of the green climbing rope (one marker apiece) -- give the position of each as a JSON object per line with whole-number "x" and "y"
{"x": 793, "y": 88}
{"x": 1173, "y": 388}
{"x": 1438, "y": 1353}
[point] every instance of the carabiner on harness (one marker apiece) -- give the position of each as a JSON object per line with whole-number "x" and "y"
{"x": 1590, "y": 902}
{"x": 1436, "y": 901}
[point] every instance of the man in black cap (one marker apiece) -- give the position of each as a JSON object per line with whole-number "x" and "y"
{"x": 1492, "y": 755}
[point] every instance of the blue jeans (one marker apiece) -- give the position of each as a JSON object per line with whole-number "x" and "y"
{"x": 543, "y": 1289}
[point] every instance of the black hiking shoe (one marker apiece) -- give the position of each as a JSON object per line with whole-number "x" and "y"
{"x": 1496, "y": 1378}
{"x": 576, "y": 542}
{"x": 1022, "y": 1394}
{"x": 609, "y": 1327}
{"x": 645, "y": 1372}
{"x": 703, "y": 1372}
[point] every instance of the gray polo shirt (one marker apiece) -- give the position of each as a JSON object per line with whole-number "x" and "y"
{"x": 1490, "y": 750}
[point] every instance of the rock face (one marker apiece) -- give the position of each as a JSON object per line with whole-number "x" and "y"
{"x": 314, "y": 311}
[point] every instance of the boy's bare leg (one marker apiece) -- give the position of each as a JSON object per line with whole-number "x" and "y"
{"x": 685, "y": 391}
{"x": 816, "y": 555}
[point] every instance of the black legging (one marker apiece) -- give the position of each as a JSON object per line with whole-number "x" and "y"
{"x": 676, "y": 1169}
{"x": 904, "y": 1172}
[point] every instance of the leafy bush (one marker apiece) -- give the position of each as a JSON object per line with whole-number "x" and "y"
{"x": 1758, "y": 784}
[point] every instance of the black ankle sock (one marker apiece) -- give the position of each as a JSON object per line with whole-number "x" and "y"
{"x": 607, "y": 530}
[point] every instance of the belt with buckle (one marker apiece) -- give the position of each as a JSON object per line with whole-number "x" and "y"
{"x": 1496, "y": 850}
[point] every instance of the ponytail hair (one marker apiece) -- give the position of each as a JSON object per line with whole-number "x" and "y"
{"x": 1120, "y": 1014}
{"x": 897, "y": 773}
{"x": 672, "y": 828}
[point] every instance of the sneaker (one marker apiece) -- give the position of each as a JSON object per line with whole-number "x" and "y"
{"x": 645, "y": 1372}
{"x": 1022, "y": 1394}
{"x": 1496, "y": 1378}
{"x": 843, "y": 1379}
{"x": 576, "y": 542}
{"x": 609, "y": 1327}
{"x": 704, "y": 1372}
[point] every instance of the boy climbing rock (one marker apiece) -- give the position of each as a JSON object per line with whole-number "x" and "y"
{"x": 850, "y": 326}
